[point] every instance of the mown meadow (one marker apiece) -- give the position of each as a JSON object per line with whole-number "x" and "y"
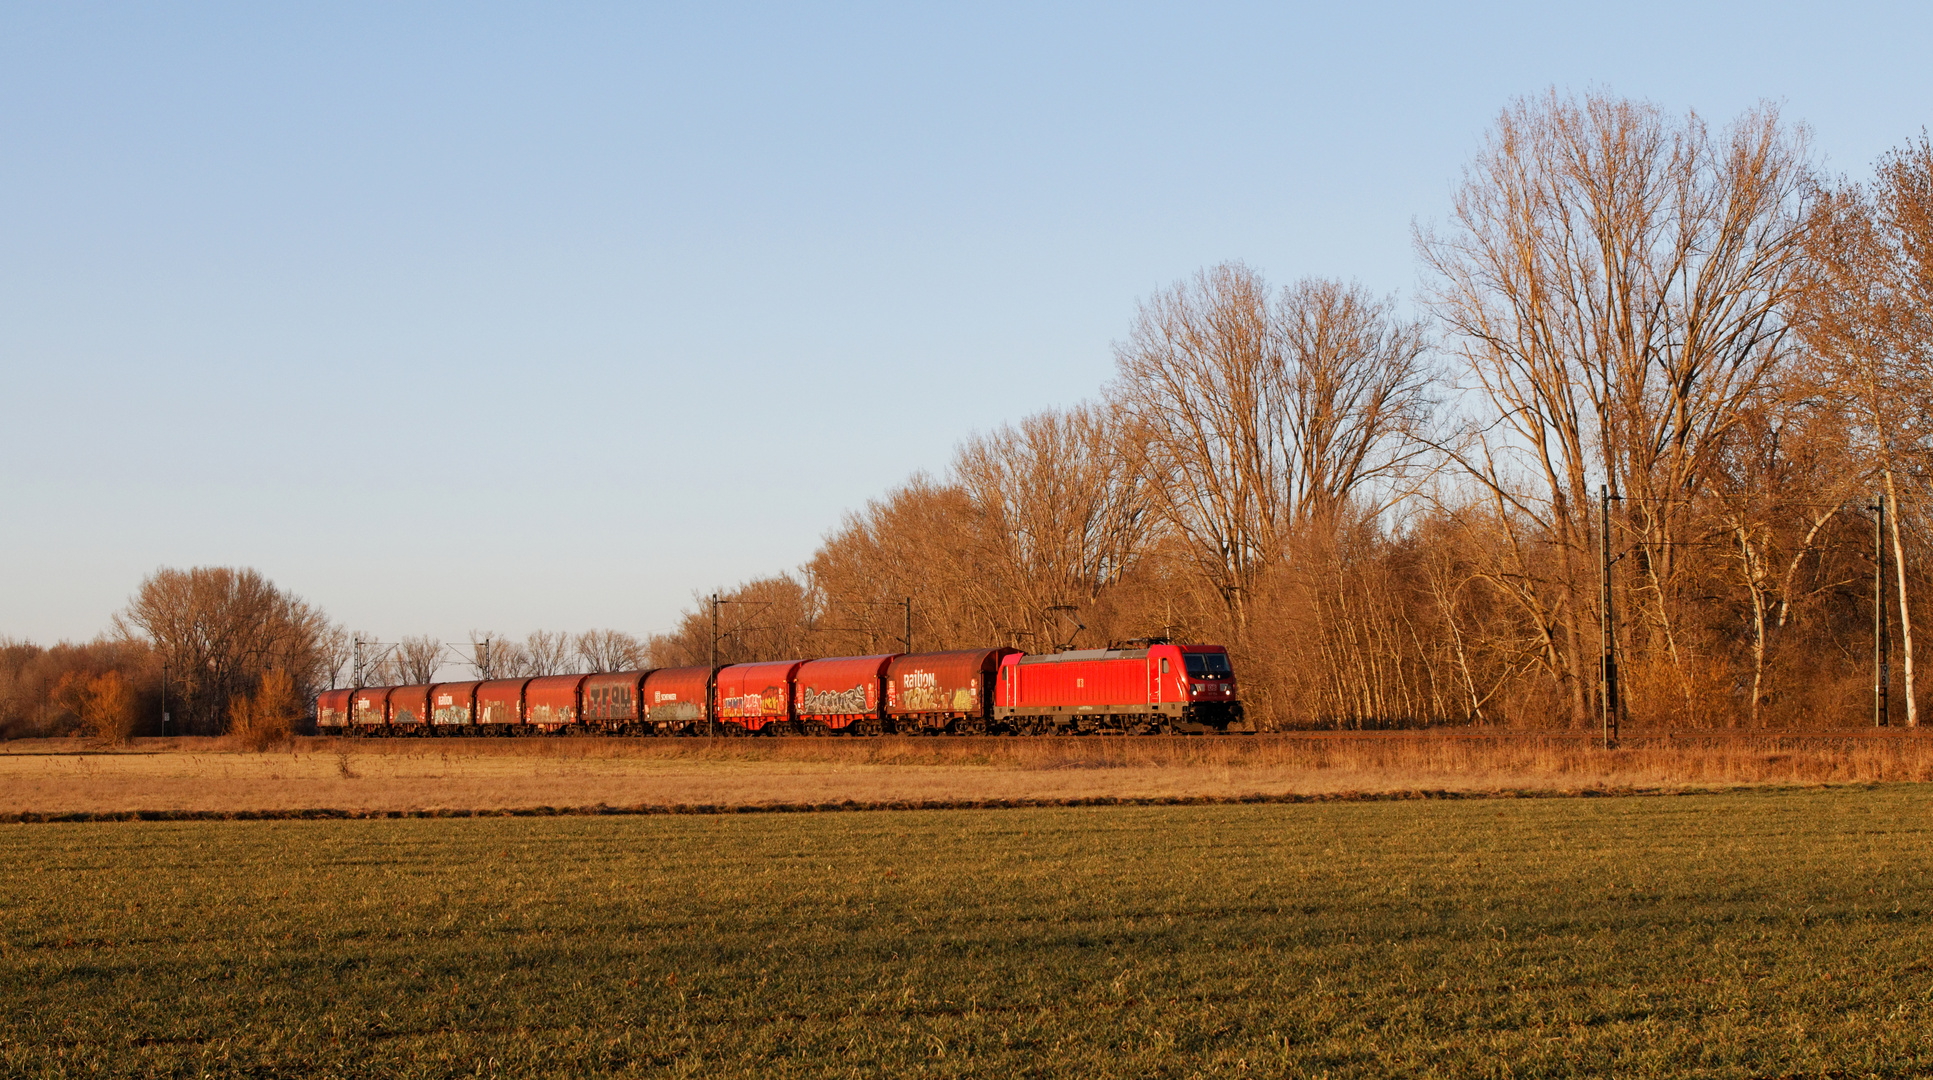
{"x": 1753, "y": 933}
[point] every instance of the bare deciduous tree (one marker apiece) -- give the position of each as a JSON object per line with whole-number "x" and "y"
{"x": 220, "y": 630}
{"x": 762, "y": 619}
{"x": 1063, "y": 509}
{"x": 418, "y": 659}
{"x": 1200, "y": 376}
{"x": 1869, "y": 315}
{"x": 1254, "y": 417}
{"x": 926, "y": 540}
{"x": 610, "y": 650}
{"x": 1357, "y": 393}
{"x": 548, "y": 653}
{"x": 1616, "y": 283}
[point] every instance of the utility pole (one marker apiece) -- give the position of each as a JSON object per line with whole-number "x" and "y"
{"x": 358, "y": 663}
{"x": 1608, "y": 630}
{"x": 909, "y": 624}
{"x": 1882, "y": 673}
{"x": 711, "y": 687}
{"x": 164, "y": 698}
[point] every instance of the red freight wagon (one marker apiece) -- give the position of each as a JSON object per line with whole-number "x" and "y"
{"x": 673, "y": 699}
{"x": 551, "y": 702}
{"x": 409, "y": 706}
{"x": 943, "y": 691}
{"x": 756, "y": 696}
{"x": 453, "y": 704}
{"x": 1171, "y": 687}
{"x": 611, "y": 700}
{"x": 841, "y": 694}
{"x": 332, "y": 710}
{"x": 370, "y": 707}
{"x": 500, "y": 704}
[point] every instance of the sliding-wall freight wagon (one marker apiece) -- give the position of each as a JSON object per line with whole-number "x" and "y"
{"x": 749, "y": 698}
{"x": 842, "y": 695}
{"x": 945, "y": 692}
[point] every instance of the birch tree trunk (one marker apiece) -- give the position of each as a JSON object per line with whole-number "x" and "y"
{"x": 1905, "y": 606}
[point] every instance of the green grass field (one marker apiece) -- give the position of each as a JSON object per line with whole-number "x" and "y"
{"x": 1777, "y": 933}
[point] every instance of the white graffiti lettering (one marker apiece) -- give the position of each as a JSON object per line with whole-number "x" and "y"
{"x": 824, "y": 702}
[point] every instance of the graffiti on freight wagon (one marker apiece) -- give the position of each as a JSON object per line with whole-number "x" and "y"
{"x": 449, "y": 710}
{"x": 664, "y": 707}
{"x": 551, "y": 714}
{"x": 771, "y": 701}
{"x": 920, "y": 691}
{"x": 833, "y": 702}
{"x": 607, "y": 702}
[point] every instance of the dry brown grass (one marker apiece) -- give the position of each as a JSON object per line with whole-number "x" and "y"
{"x": 65, "y": 776}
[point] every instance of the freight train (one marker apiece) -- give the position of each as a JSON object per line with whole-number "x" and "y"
{"x": 1162, "y": 688}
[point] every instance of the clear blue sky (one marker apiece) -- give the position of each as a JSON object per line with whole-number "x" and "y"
{"x": 507, "y": 317}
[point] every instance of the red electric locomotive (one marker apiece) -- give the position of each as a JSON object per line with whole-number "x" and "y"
{"x": 1162, "y": 688}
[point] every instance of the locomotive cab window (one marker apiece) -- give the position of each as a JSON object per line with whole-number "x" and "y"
{"x": 1164, "y": 665}
{"x": 1206, "y": 665}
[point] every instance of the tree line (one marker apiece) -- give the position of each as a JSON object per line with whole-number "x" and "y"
{"x": 1682, "y": 348}
{"x": 223, "y": 650}
{"x": 417, "y": 660}
{"x": 220, "y": 650}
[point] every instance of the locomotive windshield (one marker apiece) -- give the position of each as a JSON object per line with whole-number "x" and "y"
{"x": 1206, "y": 665}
